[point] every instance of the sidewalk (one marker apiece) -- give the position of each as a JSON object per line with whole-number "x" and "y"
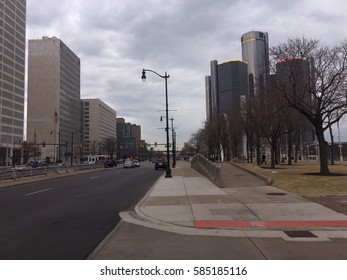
{"x": 188, "y": 217}
{"x": 189, "y": 203}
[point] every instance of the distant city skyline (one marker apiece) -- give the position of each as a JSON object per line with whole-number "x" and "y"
{"x": 123, "y": 38}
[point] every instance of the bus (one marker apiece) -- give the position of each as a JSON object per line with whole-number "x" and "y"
{"x": 93, "y": 159}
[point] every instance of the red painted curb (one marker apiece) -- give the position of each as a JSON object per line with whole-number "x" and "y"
{"x": 269, "y": 224}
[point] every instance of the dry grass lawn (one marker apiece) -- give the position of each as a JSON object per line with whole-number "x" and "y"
{"x": 303, "y": 178}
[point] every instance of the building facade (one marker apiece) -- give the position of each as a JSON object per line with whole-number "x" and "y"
{"x": 12, "y": 79}
{"x": 214, "y": 88}
{"x": 255, "y": 52}
{"x": 232, "y": 84}
{"x": 54, "y": 118}
{"x": 99, "y": 127}
{"x": 225, "y": 91}
{"x": 128, "y": 139}
{"x": 208, "y": 96}
{"x": 293, "y": 75}
{"x": 224, "y": 87}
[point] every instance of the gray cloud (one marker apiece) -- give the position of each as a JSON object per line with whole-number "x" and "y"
{"x": 117, "y": 39}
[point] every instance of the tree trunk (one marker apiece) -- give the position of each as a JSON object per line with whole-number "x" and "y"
{"x": 251, "y": 148}
{"x": 323, "y": 152}
{"x": 273, "y": 152}
{"x": 289, "y": 148}
{"x": 248, "y": 146}
{"x": 273, "y": 160}
{"x": 258, "y": 147}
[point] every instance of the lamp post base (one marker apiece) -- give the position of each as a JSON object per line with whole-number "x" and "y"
{"x": 168, "y": 173}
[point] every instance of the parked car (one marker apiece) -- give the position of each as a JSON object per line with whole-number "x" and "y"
{"x": 30, "y": 163}
{"x": 110, "y": 163}
{"x": 136, "y": 163}
{"x": 40, "y": 163}
{"x": 161, "y": 163}
{"x": 129, "y": 164}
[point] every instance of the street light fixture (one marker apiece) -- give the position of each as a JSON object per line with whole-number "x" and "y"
{"x": 166, "y": 76}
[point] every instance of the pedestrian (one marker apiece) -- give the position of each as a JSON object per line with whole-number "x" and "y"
{"x": 263, "y": 159}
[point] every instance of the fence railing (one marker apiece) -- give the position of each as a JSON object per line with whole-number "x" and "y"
{"x": 208, "y": 169}
{"x": 19, "y": 172}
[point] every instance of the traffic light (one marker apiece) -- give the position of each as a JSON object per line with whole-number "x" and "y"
{"x": 155, "y": 144}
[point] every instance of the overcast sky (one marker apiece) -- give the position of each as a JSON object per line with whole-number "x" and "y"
{"x": 116, "y": 39}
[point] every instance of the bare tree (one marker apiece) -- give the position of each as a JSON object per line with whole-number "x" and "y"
{"x": 224, "y": 135}
{"x": 313, "y": 81}
{"x": 29, "y": 150}
{"x": 196, "y": 143}
{"x": 235, "y": 133}
{"x": 110, "y": 144}
{"x": 212, "y": 132}
{"x": 94, "y": 146}
{"x": 274, "y": 124}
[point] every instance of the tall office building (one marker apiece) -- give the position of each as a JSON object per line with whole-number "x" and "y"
{"x": 214, "y": 87}
{"x": 293, "y": 75}
{"x": 232, "y": 84}
{"x": 208, "y": 96}
{"x": 12, "y": 72}
{"x": 224, "y": 88}
{"x": 255, "y": 51}
{"x": 225, "y": 91}
{"x": 128, "y": 139}
{"x": 99, "y": 123}
{"x": 54, "y": 119}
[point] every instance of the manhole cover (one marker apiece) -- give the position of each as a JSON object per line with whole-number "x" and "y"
{"x": 275, "y": 193}
{"x": 301, "y": 233}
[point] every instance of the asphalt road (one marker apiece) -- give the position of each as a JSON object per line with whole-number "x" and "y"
{"x": 66, "y": 218}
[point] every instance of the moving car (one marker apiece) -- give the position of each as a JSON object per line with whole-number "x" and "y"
{"x": 36, "y": 164}
{"x": 110, "y": 163}
{"x": 160, "y": 163}
{"x": 129, "y": 164}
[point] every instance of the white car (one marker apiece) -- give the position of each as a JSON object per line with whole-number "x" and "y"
{"x": 129, "y": 164}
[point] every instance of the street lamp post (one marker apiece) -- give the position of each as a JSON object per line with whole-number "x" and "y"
{"x": 72, "y": 149}
{"x": 173, "y": 137}
{"x": 58, "y": 152}
{"x": 166, "y": 76}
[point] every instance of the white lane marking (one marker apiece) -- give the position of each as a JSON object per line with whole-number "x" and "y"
{"x": 94, "y": 177}
{"x": 44, "y": 190}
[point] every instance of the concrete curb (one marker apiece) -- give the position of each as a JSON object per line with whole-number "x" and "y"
{"x": 269, "y": 181}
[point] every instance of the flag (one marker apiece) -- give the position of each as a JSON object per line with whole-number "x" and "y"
{"x": 55, "y": 119}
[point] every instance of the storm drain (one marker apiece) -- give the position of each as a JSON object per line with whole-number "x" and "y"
{"x": 300, "y": 233}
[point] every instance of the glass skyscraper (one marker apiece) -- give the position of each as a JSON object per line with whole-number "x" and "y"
{"x": 232, "y": 83}
{"x": 227, "y": 83}
{"x": 255, "y": 51}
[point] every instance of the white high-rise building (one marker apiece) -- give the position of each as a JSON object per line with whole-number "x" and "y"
{"x": 99, "y": 124}
{"x": 54, "y": 119}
